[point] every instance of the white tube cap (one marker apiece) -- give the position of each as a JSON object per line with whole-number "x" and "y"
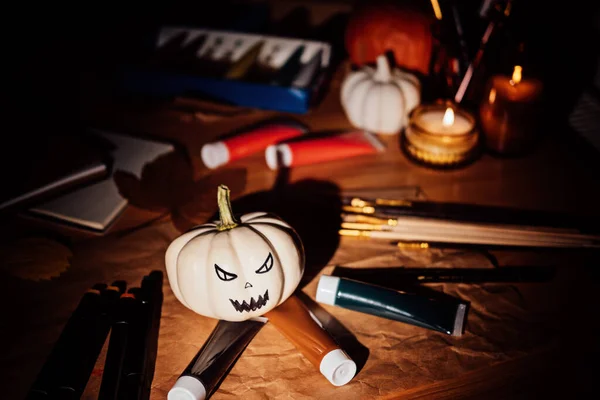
{"x": 327, "y": 289}
{"x": 337, "y": 367}
{"x": 187, "y": 388}
{"x": 214, "y": 154}
{"x": 273, "y": 151}
{"x": 286, "y": 154}
{"x": 271, "y": 156}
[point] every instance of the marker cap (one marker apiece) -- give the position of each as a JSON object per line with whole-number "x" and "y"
{"x": 337, "y": 367}
{"x": 327, "y": 289}
{"x": 214, "y": 154}
{"x": 187, "y": 388}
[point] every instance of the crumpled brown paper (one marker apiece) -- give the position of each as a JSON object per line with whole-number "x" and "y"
{"x": 505, "y": 322}
{"x": 392, "y": 356}
{"x": 35, "y": 258}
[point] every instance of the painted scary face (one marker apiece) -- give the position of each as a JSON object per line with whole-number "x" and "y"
{"x": 253, "y": 304}
{"x": 247, "y": 278}
{"x": 236, "y": 274}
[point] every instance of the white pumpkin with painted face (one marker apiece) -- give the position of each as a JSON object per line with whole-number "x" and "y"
{"x": 235, "y": 270}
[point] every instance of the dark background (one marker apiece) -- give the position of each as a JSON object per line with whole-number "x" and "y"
{"x": 56, "y": 54}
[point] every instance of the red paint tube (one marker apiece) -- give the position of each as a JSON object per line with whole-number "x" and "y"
{"x": 322, "y": 149}
{"x": 216, "y": 154}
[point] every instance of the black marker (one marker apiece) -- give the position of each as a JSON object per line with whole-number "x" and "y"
{"x": 140, "y": 357}
{"x": 152, "y": 291}
{"x": 70, "y": 364}
{"x": 128, "y": 309}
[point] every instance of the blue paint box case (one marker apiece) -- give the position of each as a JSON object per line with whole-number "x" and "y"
{"x": 250, "y": 70}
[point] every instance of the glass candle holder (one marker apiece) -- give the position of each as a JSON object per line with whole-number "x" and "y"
{"x": 510, "y": 111}
{"x": 441, "y": 135}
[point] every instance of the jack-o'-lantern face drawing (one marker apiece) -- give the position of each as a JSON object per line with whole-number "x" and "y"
{"x": 253, "y": 304}
{"x": 235, "y": 270}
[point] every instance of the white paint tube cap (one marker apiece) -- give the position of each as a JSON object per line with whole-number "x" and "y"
{"x": 327, "y": 289}
{"x": 214, "y": 154}
{"x": 187, "y": 388}
{"x": 271, "y": 156}
{"x": 272, "y": 153}
{"x": 337, "y": 367}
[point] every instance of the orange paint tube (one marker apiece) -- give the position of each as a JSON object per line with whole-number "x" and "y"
{"x": 293, "y": 319}
{"x": 216, "y": 154}
{"x": 320, "y": 149}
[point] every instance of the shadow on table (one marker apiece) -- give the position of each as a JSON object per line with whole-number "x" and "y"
{"x": 168, "y": 186}
{"x": 311, "y": 207}
{"x": 346, "y": 339}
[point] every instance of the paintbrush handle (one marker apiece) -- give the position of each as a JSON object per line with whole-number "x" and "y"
{"x": 458, "y": 232}
{"x": 411, "y": 276}
{"x": 480, "y": 214}
{"x": 411, "y": 235}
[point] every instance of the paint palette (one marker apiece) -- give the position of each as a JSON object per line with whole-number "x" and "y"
{"x": 251, "y": 70}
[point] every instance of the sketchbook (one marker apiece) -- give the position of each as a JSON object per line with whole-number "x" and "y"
{"x": 98, "y": 205}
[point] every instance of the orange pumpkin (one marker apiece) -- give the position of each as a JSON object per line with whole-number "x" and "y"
{"x": 377, "y": 27}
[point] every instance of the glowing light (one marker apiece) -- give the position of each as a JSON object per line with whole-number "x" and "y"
{"x": 492, "y": 97}
{"x": 517, "y": 75}
{"x": 448, "y": 119}
{"x": 436, "y": 9}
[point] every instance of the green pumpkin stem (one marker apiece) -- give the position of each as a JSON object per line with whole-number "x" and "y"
{"x": 226, "y": 215}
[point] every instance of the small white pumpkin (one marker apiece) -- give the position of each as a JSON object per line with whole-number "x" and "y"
{"x": 380, "y": 100}
{"x": 234, "y": 270}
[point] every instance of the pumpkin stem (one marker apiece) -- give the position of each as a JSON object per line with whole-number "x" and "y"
{"x": 225, "y": 213}
{"x": 383, "y": 73}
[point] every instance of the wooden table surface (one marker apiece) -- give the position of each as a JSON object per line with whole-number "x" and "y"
{"x": 561, "y": 175}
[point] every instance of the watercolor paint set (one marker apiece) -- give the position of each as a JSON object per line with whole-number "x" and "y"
{"x": 250, "y": 70}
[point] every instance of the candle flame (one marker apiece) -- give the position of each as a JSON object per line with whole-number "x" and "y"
{"x": 517, "y": 75}
{"x": 436, "y": 9}
{"x": 492, "y": 97}
{"x": 448, "y": 119}
{"x": 507, "y": 9}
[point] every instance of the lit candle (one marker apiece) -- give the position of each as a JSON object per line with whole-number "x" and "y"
{"x": 509, "y": 112}
{"x": 441, "y": 135}
{"x": 445, "y": 122}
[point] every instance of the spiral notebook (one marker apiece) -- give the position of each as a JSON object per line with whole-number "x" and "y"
{"x": 98, "y": 205}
